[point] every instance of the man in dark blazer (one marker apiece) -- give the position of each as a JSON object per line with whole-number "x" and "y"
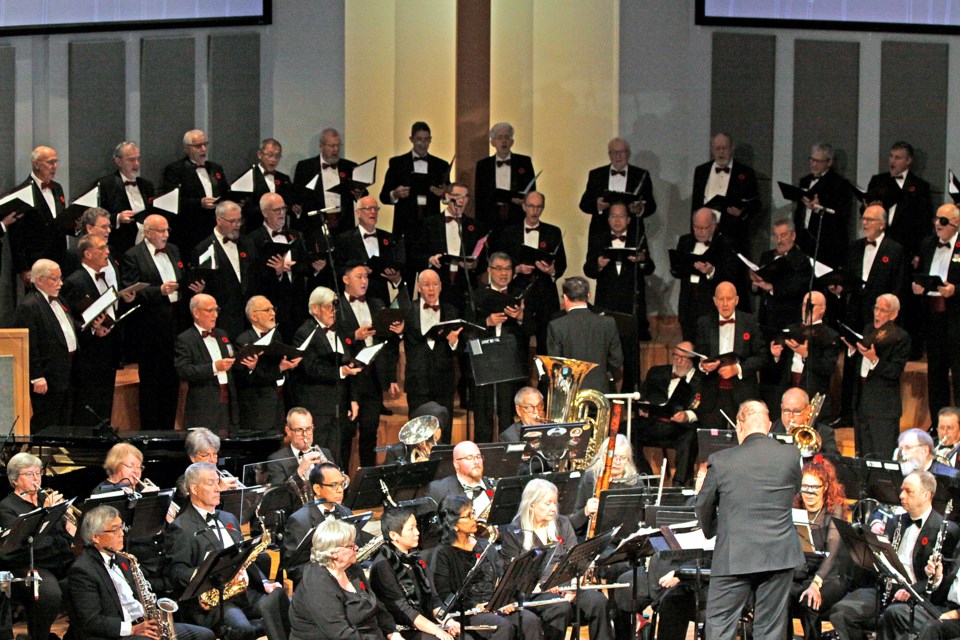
{"x": 780, "y": 300}
{"x": 54, "y": 342}
{"x": 155, "y": 325}
{"x": 124, "y": 193}
{"x": 908, "y": 219}
{"x": 719, "y": 264}
{"x": 296, "y": 459}
{"x": 581, "y": 334}
{"x": 367, "y": 244}
{"x": 733, "y": 180}
{"x": 619, "y": 177}
{"x": 502, "y": 171}
{"x": 204, "y": 358}
{"x": 200, "y": 528}
{"x": 467, "y": 479}
{"x": 541, "y": 302}
{"x": 202, "y": 183}
{"x": 793, "y": 402}
{"x": 5, "y": 223}
{"x": 746, "y": 502}
{"x": 827, "y": 213}
{"x": 102, "y": 588}
{"x": 266, "y": 179}
{"x": 329, "y": 169}
{"x": 37, "y": 234}
{"x": 916, "y": 451}
{"x": 728, "y": 384}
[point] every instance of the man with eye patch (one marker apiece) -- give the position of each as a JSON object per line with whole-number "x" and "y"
{"x": 940, "y": 256}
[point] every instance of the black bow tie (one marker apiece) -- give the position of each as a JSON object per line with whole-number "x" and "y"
{"x": 101, "y": 276}
{"x": 353, "y": 299}
{"x": 729, "y": 321}
{"x": 870, "y": 243}
{"x": 211, "y": 518}
{"x": 500, "y": 163}
{"x": 129, "y": 183}
{"x": 434, "y": 307}
{"x": 206, "y": 334}
{"x": 327, "y": 329}
{"x": 267, "y": 173}
{"x": 369, "y": 235}
{"x": 279, "y": 234}
{"x": 53, "y": 299}
{"x": 326, "y": 166}
{"x": 420, "y": 159}
{"x": 618, "y": 237}
{"x": 674, "y": 376}
{"x": 943, "y": 245}
{"x": 46, "y": 185}
{"x": 531, "y": 229}
{"x": 918, "y": 522}
{"x": 472, "y": 492}
{"x": 614, "y": 172}
{"x": 722, "y": 169}
{"x": 163, "y": 250}
{"x": 201, "y": 166}
{"x": 705, "y": 243}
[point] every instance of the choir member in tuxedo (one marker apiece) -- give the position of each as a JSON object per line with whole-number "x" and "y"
{"x": 877, "y": 403}
{"x": 266, "y": 179}
{"x": 827, "y": 213}
{"x": 103, "y": 600}
{"x": 323, "y": 384}
{"x": 365, "y": 243}
{"x": 948, "y": 435}
{"x": 355, "y": 323}
{"x": 676, "y": 383}
{"x": 231, "y": 256}
{"x": 200, "y": 528}
{"x": 454, "y": 235}
{"x": 780, "y": 302}
{"x": 202, "y": 183}
{"x": 299, "y": 455}
{"x": 794, "y": 402}
{"x": 732, "y": 179}
{"x": 51, "y": 551}
{"x": 329, "y": 169}
{"x": 429, "y": 372}
{"x": 124, "y": 193}
{"x": 37, "y": 235}
{"x": 908, "y": 221}
{"x": 620, "y": 177}
{"x": 584, "y": 335}
{"x": 54, "y": 344}
{"x": 503, "y": 170}
{"x": 467, "y": 478}
{"x": 541, "y": 302}
{"x": 718, "y": 265}
{"x": 156, "y": 324}
{"x": 728, "y": 331}
{"x": 261, "y": 389}
{"x": 940, "y": 256}
{"x": 204, "y": 358}
{"x": 5, "y": 223}
{"x": 918, "y": 526}
{"x": 915, "y": 450}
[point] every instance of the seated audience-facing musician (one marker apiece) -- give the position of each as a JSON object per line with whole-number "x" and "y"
{"x": 467, "y": 480}
{"x": 124, "y": 467}
{"x": 794, "y": 412}
{"x": 948, "y": 435}
{"x": 915, "y": 451}
{"x": 623, "y": 473}
{"x": 294, "y": 460}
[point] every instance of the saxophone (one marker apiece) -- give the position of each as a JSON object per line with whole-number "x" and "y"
{"x": 159, "y": 610}
{"x": 369, "y": 549}
{"x": 211, "y": 599}
{"x": 888, "y": 587}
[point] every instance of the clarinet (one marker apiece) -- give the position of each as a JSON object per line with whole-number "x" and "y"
{"x": 937, "y": 554}
{"x": 889, "y": 582}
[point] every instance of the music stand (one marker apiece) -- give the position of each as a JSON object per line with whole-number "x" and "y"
{"x": 506, "y": 499}
{"x": 621, "y": 508}
{"x": 709, "y": 441}
{"x": 150, "y": 514}
{"x": 500, "y": 459}
{"x": 26, "y": 529}
{"x": 365, "y": 491}
{"x": 632, "y": 549}
{"x": 574, "y": 565}
{"x": 660, "y": 515}
{"x": 876, "y": 479}
{"x": 217, "y": 570}
{"x": 242, "y": 503}
{"x": 559, "y": 443}
{"x": 519, "y": 579}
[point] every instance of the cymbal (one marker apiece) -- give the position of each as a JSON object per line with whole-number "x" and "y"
{"x": 419, "y": 429}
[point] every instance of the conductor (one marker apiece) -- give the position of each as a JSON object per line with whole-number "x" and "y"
{"x": 746, "y": 502}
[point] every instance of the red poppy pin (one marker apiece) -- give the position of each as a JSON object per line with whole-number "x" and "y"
{"x": 543, "y": 245}
{"x": 741, "y": 177}
{"x": 386, "y": 242}
{"x": 363, "y": 587}
{"x": 885, "y": 259}
{"x": 477, "y": 555}
{"x": 229, "y": 526}
{"x": 911, "y": 188}
{"x": 61, "y": 199}
{"x": 343, "y": 174}
{"x": 746, "y": 336}
{"x": 63, "y": 306}
{"x": 521, "y": 170}
{"x": 559, "y": 540}
{"x": 470, "y": 227}
{"x": 818, "y": 459}
{"x": 123, "y": 565}
{"x": 217, "y": 175}
{"x": 276, "y": 181}
{"x": 423, "y": 565}
{"x": 957, "y": 246}
{"x": 149, "y": 201}
{"x": 924, "y": 542}
{"x": 225, "y": 340}
{"x": 348, "y": 340}
{"x": 243, "y": 254}
{"x": 180, "y": 264}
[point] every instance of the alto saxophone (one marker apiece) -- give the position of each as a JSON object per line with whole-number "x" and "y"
{"x": 889, "y": 582}
{"x": 211, "y": 599}
{"x": 159, "y": 610}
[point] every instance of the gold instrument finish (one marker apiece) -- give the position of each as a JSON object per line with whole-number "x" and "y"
{"x": 805, "y": 436}
{"x": 566, "y": 403}
{"x": 160, "y": 611}
{"x": 211, "y": 599}
{"x": 417, "y": 435}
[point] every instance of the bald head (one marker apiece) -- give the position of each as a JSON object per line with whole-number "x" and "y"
{"x": 44, "y": 163}
{"x": 156, "y": 230}
{"x": 468, "y": 462}
{"x": 725, "y": 298}
{"x": 204, "y": 310}
{"x": 428, "y": 284}
{"x": 873, "y": 221}
{"x": 753, "y": 417}
{"x": 274, "y": 210}
{"x": 949, "y": 214}
{"x": 704, "y": 225}
{"x": 367, "y": 211}
{"x": 818, "y": 305}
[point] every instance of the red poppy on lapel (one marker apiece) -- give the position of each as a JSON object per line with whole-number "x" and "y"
{"x": 489, "y": 493}
{"x": 885, "y": 259}
{"x": 521, "y": 170}
{"x": 477, "y": 555}
{"x": 123, "y": 565}
{"x": 348, "y": 340}
{"x": 559, "y": 540}
{"x": 180, "y": 264}
{"x": 911, "y": 188}
{"x": 423, "y": 565}
{"x": 217, "y": 175}
{"x": 957, "y": 246}
{"x": 343, "y": 174}
{"x": 741, "y": 177}
{"x": 229, "y": 526}
{"x": 243, "y": 254}
{"x": 225, "y": 340}
{"x": 386, "y": 242}
{"x": 61, "y": 199}
{"x": 276, "y": 181}
{"x": 543, "y": 245}
{"x": 924, "y": 542}
{"x": 746, "y": 336}
{"x": 63, "y": 306}
{"x": 363, "y": 587}
{"x": 470, "y": 227}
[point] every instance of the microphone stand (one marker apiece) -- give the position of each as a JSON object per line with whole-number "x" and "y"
{"x": 808, "y": 308}
{"x": 103, "y": 426}
{"x": 473, "y": 307}
{"x": 337, "y": 328}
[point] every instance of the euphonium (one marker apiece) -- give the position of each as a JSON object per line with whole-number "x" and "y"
{"x": 210, "y": 600}
{"x": 805, "y": 436}
{"x": 566, "y": 403}
{"x": 160, "y": 611}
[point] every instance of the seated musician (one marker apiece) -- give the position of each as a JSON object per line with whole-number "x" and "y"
{"x": 528, "y": 403}
{"x": 948, "y": 436}
{"x": 539, "y": 526}
{"x": 468, "y": 479}
{"x": 794, "y": 405}
{"x": 201, "y": 528}
{"x": 51, "y": 550}
{"x": 106, "y": 597}
{"x": 458, "y": 552}
{"x": 912, "y": 534}
{"x": 943, "y": 584}
{"x": 401, "y": 453}
{"x": 823, "y": 581}
{"x": 401, "y": 581}
{"x": 124, "y": 467}
{"x": 328, "y": 484}
{"x": 915, "y": 451}
{"x": 623, "y": 474}
{"x": 202, "y": 445}
{"x": 333, "y": 601}
{"x": 295, "y": 459}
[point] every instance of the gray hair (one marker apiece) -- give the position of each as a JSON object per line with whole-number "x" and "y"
{"x": 321, "y": 296}
{"x": 87, "y": 243}
{"x": 329, "y": 536}
{"x": 629, "y": 468}
{"x": 90, "y": 217}
{"x": 329, "y": 131}
{"x": 500, "y": 255}
{"x": 42, "y": 268}
{"x": 189, "y": 135}
{"x": 890, "y": 299}
{"x": 500, "y": 126}
{"x": 928, "y": 481}
{"x": 95, "y": 520}
{"x": 785, "y": 222}
{"x": 824, "y": 148}
{"x": 18, "y": 463}
{"x": 224, "y": 206}
{"x": 576, "y": 288}
{"x": 119, "y": 149}
{"x": 200, "y": 440}
{"x": 251, "y": 303}
{"x": 537, "y": 490}
{"x": 625, "y": 142}
{"x": 192, "y": 475}
{"x": 950, "y": 411}
{"x": 924, "y": 439}
{"x": 524, "y": 392}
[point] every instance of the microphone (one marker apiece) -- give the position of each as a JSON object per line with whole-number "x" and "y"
{"x": 823, "y": 209}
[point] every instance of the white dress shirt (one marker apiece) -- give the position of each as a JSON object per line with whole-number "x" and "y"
{"x": 502, "y": 173}
{"x": 165, "y": 267}
{"x": 330, "y": 177}
{"x": 210, "y": 342}
{"x": 131, "y": 607}
{"x": 869, "y": 255}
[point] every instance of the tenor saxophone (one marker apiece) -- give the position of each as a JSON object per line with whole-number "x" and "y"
{"x": 159, "y": 610}
{"x": 212, "y": 599}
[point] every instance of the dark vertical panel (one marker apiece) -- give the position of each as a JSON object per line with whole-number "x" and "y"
{"x": 167, "y": 98}
{"x": 741, "y": 104}
{"x": 473, "y": 86}
{"x": 97, "y": 106}
{"x": 8, "y": 98}
{"x": 234, "y": 100}
{"x": 913, "y": 105}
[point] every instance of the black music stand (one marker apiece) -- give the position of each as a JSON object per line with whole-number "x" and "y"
{"x": 243, "y": 503}
{"x": 621, "y": 508}
{"x": 671, "y": 549}
{"x": 574, "y": 565}
{"x": 709, "y": 441}
{"x": 632, "y": 549}
{"x": 26, "y": 529}
{"x": 494, "y": 360}
{"x": 217, "y": 570}
{"x": 365, "y": 489}
{"x": 660, "y": 515}
{"x": 559, "y": 443}
{"x": 500, "y": 459}
{"x": 519, "y": 579}
{"x": 877, "y": 480}
{"x": 456, "y": 601}
{"x": 506, "y": 499}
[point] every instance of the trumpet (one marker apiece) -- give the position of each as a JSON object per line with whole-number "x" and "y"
{"x": 73, "y": 514}
{"x": 147, "y": 485}
{"x": 227, "y": 477}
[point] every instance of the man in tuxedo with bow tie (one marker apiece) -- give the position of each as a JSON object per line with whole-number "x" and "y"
{"x": 727, "y": 177}
{"x": 267, "y": 179}
{"x": 467, "y": 480}
{"x": 503, "y": 171}
{"x": 780, "y": 300}
{"x": 619, "y": 177}
{"x": 366, "y": 243}
{"x": 329, "y": 169}
{"x": 124, "y": 193}
{"x": 827, "y": 212}
{"x": 202, "y": 183}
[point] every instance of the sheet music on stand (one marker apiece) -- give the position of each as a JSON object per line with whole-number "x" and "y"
{"x": 520, "y": 578}
{"x": 31, "y": 524}
{"x": 621, "y": 508}
{"x": 403, "y": 480}
{"x": 500, "y": 459}
{"x": 144, "y": 513}
{"x": 506, "y": 499}
{"x": 242, "y": 503}
{"x": 574, "y": 564}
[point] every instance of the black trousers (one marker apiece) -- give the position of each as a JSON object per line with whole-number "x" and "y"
{"x": 729, "y": 594}
{"x": 856, "y": 614}
{"x": 41, "y": 612}
{"x": 831, "y": 592}
{"x": 593, "y": 613}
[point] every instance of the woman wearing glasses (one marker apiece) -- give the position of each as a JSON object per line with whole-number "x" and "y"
{"x": 124, "y": 467}
{"x": 623, "y": 474}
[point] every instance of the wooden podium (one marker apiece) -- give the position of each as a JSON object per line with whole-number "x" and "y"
{"x": 15, "y": 343}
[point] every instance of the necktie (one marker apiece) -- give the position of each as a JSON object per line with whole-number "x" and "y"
{"x": 618, "y": 237}
{"x": 434, "y": 307}
{"x": 326, "y": 166}
{"x": 722, "y": 169}
{"x": 206, "y": 334}
{"x": 450, "y": 219}
{"x": 943, "y": 245}
{"x": 129, "y": 183}
{"x": 369, "y": 235}
{"x": 614, "y": 172}
{"x": 730, "y": 321}
{"x": 500, "y": 163}
{"x": 353, "y": 299}
{"x": 279, "y": 234}
{"x": 46, "y": 185}
{"x": 101, "y": 276}
{"x": 160, "y": 250}
{"x": 531, "y": 229}
{"x": 299, "y": 455}
{"x": 871, "y": 243}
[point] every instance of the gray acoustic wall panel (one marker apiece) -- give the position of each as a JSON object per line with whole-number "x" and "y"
{"x": 97, "y": 94}
{"x": 167, "y": 101}
{"x": 8, "y": 98}
{"x": 234, "y": 100}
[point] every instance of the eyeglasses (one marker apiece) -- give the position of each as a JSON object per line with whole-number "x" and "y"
{"x": 197, "y": 145}
{"x": 620, "y": 458}
{"x": 233, "y": 221}
{"x": 343, "y": 484}
{"x": 31, "y": 474}
{"x": 133, "y": 466}
{"x": 117, "y": 530}
{"x": 530, "y": 407}
{"x": 866, "y": 219}
{"x": 469, "y": 516}
{"x": 267, "y": 310}
{"x": 477, "y": 457}
{"x": 210, "y": 309}
{"x": 793, "y": 411}
{"x": 501, "y": 268}
{"x": 811, "y": 487}
{"x": 277, "y": 209}
{"x": 301, "y": 431}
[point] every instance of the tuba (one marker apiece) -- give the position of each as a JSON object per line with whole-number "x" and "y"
{"x": 805, "y": 436}
{"x": 417, "y": 435}
{"x": 566, "y": 403}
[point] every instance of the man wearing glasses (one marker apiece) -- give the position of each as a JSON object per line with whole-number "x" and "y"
{"x": 375, "y": 248}
{"x": 297, "y": 458}
{"x": 328, "y": 169}
{"x": 825, "y": 210}
{"x": 915, "y": 449}
{"x": 793, "y": 403}
{"x": 266, "y": 179}
{"x": 468, "y": 479}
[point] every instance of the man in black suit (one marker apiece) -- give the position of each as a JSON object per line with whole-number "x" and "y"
{"x": 202, "y": 183}
{"x": 266, "y": 179}
{"x": 503, "y": 171}
{"x": 541, "y": 301}
{"x": 54, "y": 342}
{"x": 296, "y": 459}
{"x": 200, "y": 528}
{"x": 329, "y": 169}
{"x": 746, "y": 501}
{"x": 729, "y": 331}
{"x": 908, "y": 220}
{"x": 528, "y": 406}
{"x": 5, "y": 223}
{"x": 719, "y": 264}
{"x": 103, "y": 590}
{"x": 584, "y": 335}
{"x": 857, "y": 613}
{"x": 827, "y": 213}
{"x": 366, "y": 243}
{"x": 467, "y": 479}
{"x": 620, "y": 177}
{"x": 940, "y": 256}
{"x": 877, "y": 398}
{"x": 124, "y": 193}
{"x": 780, "y": 301}
{"x": 794, "y": 402}
{"x": 733, "y": 180}
{"x": 37, "y": 234}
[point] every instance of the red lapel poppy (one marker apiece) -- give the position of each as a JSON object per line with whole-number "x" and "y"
{"x": 243, "y": 254}
{"x": 217, "y": 175}
{"x": 924, "y": 542}
{"x": 746, "y": 336}
{"x": 741, "y": 177}
{"x": 343, "y": 174}
{"x": 225, "y": 340}
{"x": 911, "y": 188}
{"x": 521, "y": 170}
{"x": 363, "y": 587}
{"x": 276, "y": 181}
{"x": 123, "y": 565}
{"x": 386, "y": 242}
{"x": 885, "y": 259}
{"x": 63, "y": 306}
{"x": 470, "y": 227}
{"x": 180, "y": 264}
{"x": 543, "y": 245}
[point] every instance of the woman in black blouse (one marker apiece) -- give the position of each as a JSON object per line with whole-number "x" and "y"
{"x": 332, "y": 601}
{"x": 458, "y": 552}
{"x": 538, "y": 526}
